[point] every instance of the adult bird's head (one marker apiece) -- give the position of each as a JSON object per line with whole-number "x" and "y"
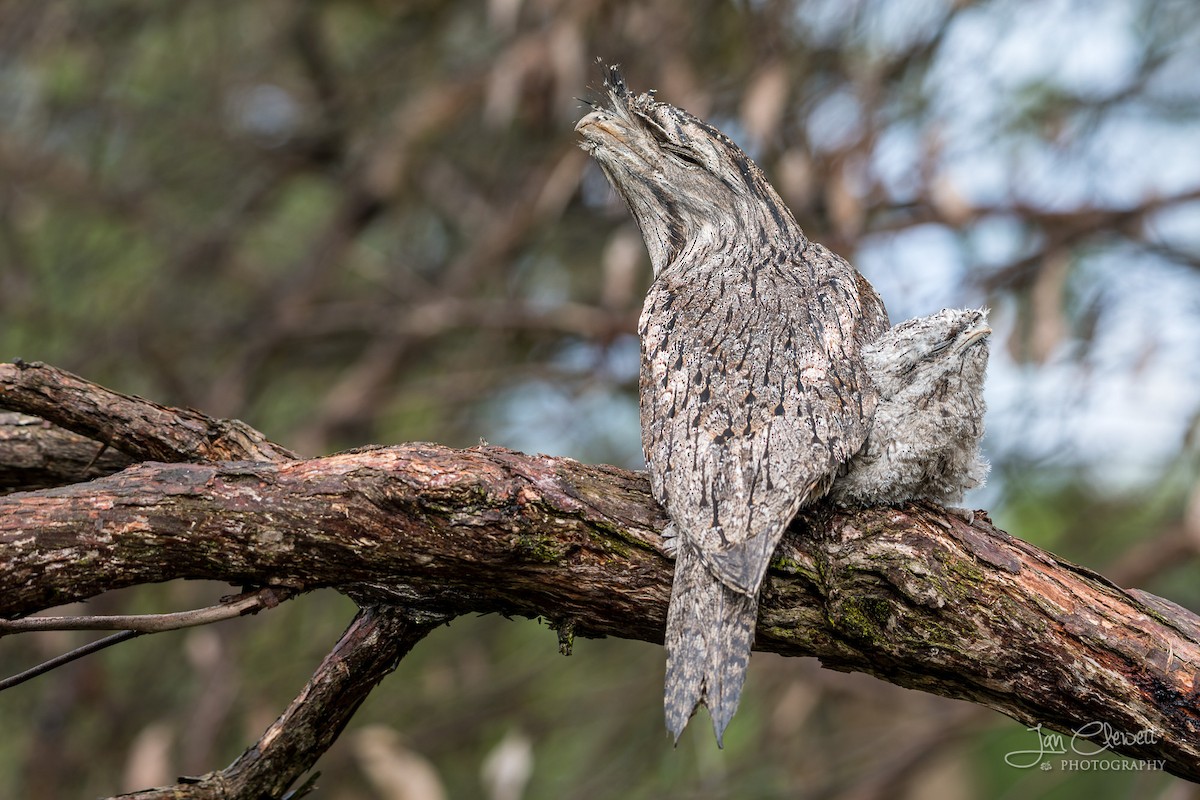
{"x": 690, "y": 188}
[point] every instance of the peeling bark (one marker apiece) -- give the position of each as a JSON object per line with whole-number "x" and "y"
{"x": 913, "y": 595}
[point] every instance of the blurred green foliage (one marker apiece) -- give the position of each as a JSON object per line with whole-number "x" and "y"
{"x": 364, "y": 221}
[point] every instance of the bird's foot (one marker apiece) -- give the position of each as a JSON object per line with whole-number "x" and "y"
{"x": 965, "y": 514}
{"x": 670, "y": 541}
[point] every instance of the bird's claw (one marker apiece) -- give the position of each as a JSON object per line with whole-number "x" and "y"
{"x": 670, "y": 542}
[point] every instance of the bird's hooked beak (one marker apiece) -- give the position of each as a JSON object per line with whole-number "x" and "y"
{"x": 606, "y": 123}
{"x": 977, "y": 332}
{"x": 599, "y": 123}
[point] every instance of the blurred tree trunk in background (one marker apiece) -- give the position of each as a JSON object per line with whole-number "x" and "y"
{"x": 353, "y": 222}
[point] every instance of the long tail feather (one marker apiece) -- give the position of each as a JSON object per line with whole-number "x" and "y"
{"x": 710, "y": 630}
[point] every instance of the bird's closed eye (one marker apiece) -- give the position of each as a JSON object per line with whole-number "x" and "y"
{"x": 682, "y": 153}
{"x": 668, "y": 145}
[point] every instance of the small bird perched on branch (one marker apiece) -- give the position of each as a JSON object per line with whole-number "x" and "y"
{"x": 755, "y": 394}
{"x": 924, "y": 439}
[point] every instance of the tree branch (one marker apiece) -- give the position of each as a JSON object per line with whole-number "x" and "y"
{"x": 37, "y": 455}
{"x": 132, "y": 626}
{"x": 369, "y": 649}
{"x": 66, "y": 658}
{"x": 136, "y": 427}
{"x": 236, "y": 606}
{"x": 912, "y": 595}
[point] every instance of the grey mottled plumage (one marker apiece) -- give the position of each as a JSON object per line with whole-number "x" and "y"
{"x": 753, "y": 389}
{"x": 924, "y": 439}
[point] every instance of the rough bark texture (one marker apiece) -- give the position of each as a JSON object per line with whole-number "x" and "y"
{"x": 912, "y": 595}
{"x": 137, "y": 427}
{"x": 36, "y": 455}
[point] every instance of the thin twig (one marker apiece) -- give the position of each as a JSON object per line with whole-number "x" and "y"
{"x": 228, "y": 608}
{"x": 132, "y": 626}
{"x": 67, "y": 658}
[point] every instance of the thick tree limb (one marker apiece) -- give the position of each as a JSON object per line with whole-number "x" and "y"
{"x": 912, "y": 595}
{"x": 136, "y": 427}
